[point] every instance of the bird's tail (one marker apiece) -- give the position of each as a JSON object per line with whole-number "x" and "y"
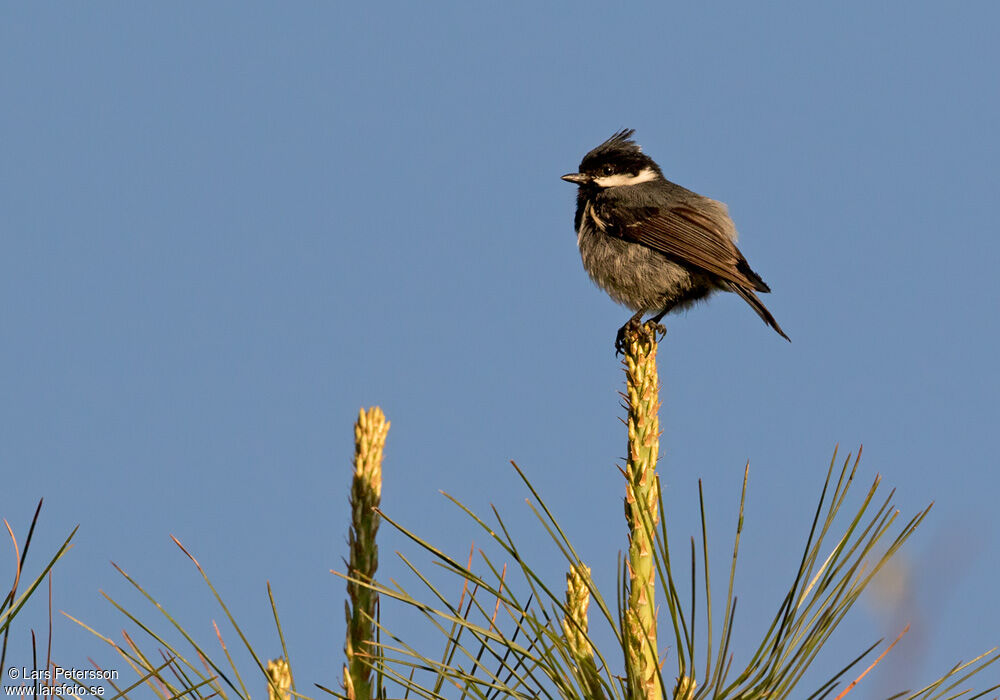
{"x": 758, "y": 306}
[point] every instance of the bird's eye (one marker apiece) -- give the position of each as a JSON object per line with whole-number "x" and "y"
{"x": 607, "y": 170}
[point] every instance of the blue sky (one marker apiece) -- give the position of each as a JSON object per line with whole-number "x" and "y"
{"x": 226, "y": 228}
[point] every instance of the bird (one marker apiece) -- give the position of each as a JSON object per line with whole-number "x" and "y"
{"x": 653, "y": 245}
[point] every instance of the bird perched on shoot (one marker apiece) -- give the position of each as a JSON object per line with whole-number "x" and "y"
{"x": 652, "y": 245}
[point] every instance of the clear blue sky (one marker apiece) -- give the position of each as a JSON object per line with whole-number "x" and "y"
{"x": 227, "y": 227}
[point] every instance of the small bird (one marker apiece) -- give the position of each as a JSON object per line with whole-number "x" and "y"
{"x": 653, "y": 245}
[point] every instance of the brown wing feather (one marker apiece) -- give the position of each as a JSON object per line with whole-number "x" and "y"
{"x": 691, "y": 236}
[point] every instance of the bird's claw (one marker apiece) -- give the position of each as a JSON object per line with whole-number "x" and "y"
{"x": 658, "y": 328}
{"x": 635, "y": 326}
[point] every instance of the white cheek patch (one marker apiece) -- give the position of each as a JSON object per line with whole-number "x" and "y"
{"x": 625, "y": 179}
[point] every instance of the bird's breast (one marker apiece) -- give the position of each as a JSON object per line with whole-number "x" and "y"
{"x": 632, "y": 274}
{"x": 587, "y": 218}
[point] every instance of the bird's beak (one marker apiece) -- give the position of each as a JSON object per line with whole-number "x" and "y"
{"x": 576, "y": 178}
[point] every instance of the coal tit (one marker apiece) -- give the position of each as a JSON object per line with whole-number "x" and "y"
{"x": 653, "y": 245}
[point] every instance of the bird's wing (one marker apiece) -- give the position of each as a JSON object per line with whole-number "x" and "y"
{"x": 693, "y": 237}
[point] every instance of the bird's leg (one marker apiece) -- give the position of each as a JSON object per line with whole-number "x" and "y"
{"x": 631, "y": 326}
{"x": 654, "y": 324}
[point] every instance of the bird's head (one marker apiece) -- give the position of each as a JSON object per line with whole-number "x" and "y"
{"x": 617, "y": 162}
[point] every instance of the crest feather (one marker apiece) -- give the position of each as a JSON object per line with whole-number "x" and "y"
{"x": 622, "y": 138}
{"x": 620, "y": 146}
